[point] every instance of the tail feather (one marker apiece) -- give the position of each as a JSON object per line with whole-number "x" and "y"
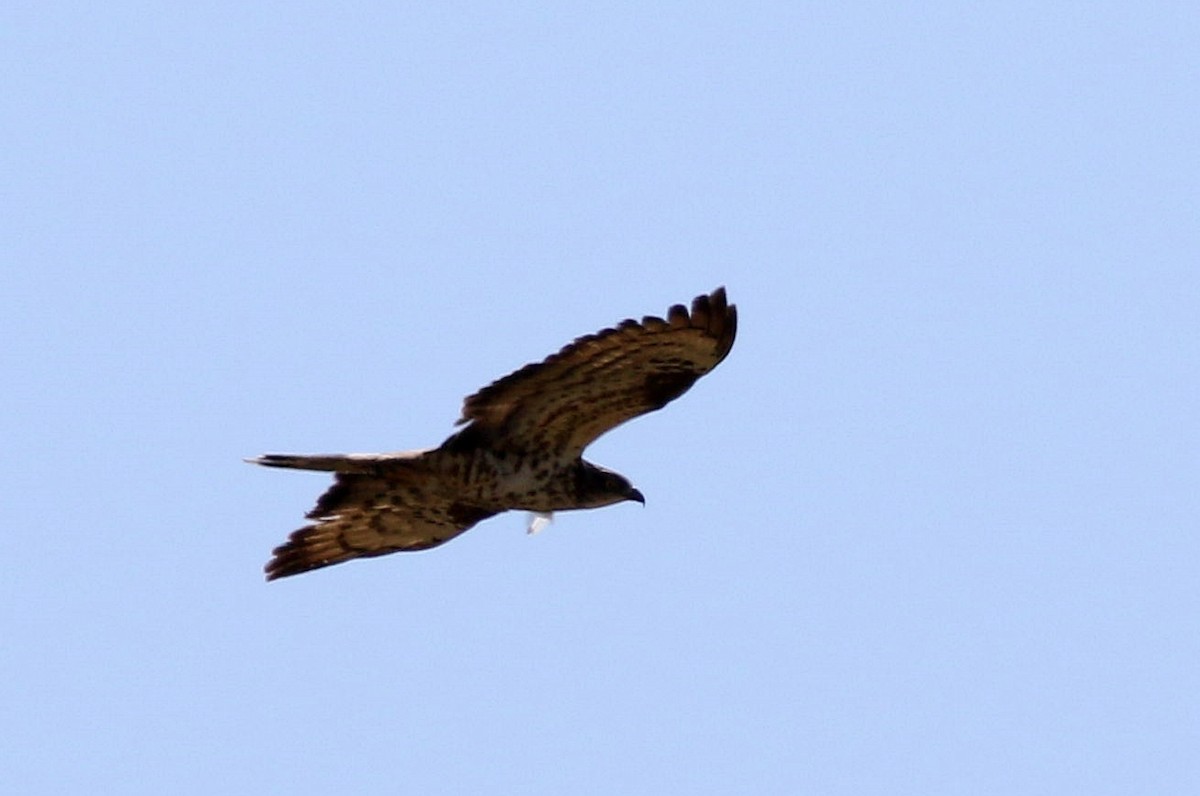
{"x": 366, "y": 463}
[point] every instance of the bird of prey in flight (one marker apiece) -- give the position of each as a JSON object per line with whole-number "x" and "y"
{"x": 520, "y": 448}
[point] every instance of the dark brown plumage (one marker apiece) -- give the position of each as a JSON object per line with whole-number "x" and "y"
{"x": 520, "y": 447}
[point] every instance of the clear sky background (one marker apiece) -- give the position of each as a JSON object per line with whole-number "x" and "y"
{"x": 931, "y": 528}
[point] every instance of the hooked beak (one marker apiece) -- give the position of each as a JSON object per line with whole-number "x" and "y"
{"x": 633, "y": 494}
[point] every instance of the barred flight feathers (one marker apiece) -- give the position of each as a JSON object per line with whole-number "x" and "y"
{"x": 601, "y": 380}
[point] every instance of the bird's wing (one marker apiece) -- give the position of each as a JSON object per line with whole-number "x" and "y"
{"x": 602, "y": 380}
{"x": 364, "y": 515}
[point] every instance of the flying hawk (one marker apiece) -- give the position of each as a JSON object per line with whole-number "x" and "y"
{"x": 521, "y": 447}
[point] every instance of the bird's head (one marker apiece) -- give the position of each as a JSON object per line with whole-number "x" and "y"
{"x": 598, "y": 487}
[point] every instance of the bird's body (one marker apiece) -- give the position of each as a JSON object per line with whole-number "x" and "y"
{"x": 521, "y": 448}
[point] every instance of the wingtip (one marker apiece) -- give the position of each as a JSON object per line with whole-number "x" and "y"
{"x": 718, "y": 301}
{"x": 729, "y": 333}
{"x": 718, "y": 317}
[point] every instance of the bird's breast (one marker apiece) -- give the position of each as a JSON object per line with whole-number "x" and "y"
{"x": 502, "y": 481}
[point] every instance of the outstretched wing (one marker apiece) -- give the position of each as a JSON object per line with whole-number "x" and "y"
{"x": 602, "y": 380}
{"x": 371, "y": 515}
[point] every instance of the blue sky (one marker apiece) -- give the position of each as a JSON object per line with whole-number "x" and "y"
{"x": 931, "y": 528}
